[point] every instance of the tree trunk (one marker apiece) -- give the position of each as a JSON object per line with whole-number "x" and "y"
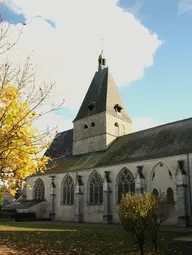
{"x": 141, "y": 244}
{"x": 154, "y": 238}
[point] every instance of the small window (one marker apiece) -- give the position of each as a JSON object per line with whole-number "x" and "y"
{"x": 118, "y": 108}
{"x": 92, "y": 124}
{"x": 155, "y": 193}
{"x": 116, "y": 124}
{"x": 170, "y": 196}
{"x": 85, "y": 126}
{"x": 91, "y": 107}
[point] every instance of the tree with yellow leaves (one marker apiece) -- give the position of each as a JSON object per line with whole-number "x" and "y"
{"x": 21, "y": 145}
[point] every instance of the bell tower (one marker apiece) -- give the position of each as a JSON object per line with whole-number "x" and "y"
{"x": 101, "y": 62}
{"x": 102, "y": 116}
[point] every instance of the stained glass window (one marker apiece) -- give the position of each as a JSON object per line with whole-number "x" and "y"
{"x": 68, "y": 191}
{"x": 95, "y": 189}
{"x": 39, "y": 190}
{"x": 126, "y": 183}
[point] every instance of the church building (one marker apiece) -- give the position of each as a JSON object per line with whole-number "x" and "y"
{"x": 101, "y": 158}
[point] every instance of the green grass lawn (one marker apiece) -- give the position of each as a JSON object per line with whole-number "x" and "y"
{"x": 33, "y": 238}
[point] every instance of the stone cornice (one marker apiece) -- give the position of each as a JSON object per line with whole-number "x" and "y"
{"x": 104, "y": 113}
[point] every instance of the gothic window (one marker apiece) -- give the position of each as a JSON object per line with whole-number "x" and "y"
{"x": 95, "y": 189}
{"x": 155, "y": 193}
{"x": 39, "y": 190}
{"x": 170, "y": 197}
{"x": 68, "y": 191}
{"x": 92, "y": 124}
{"x": 126, "y": 183}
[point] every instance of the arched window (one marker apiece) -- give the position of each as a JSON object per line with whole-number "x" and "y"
{"x": 125, "y": 182}
{"x": 116, "y": 124}
{"x": 85, "y": 126}
{"x": 170, "y": 196}
{"x": 155, "y": 193}
{"x": 92, "y": 124}
{"x": 39, "y": 190}
{"x": 68, "y": 191}
{"x": 95, "y": 189}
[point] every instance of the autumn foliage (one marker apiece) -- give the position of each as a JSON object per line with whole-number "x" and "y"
{"x": 21, "y": 103}
{"x": 20, "y": 143}
{"x": 142, "y": 215}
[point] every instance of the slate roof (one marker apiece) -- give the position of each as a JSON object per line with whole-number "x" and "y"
{"x": 166, "y": 140}
{"x": 24, "y": 204}
{"x": 61, "y": 145}
{"x": 104, "y": 93}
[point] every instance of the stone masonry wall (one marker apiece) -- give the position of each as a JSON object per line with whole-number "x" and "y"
{"x": 159, "y": 173}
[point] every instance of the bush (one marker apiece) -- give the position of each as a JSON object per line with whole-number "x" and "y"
{"x": 25, "y": 216}
{"x": 141, "y": 213}
{"x": 6, "y": 215}
{"x": 157, "y": 216}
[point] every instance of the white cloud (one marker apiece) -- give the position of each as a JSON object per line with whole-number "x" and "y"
{"x": 53, "y": 122}
{"x": 142, "y": 123}
{"x": 63, "y": 123}
{"x": 68, "y": 53}
{"x": 184, "y": 6}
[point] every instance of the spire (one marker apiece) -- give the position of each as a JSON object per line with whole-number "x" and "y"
{"x": 102, "y": 96}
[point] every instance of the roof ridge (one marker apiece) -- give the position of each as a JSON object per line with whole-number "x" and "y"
{"x": 162, "y": 125}
{"x": 62, "y": 132}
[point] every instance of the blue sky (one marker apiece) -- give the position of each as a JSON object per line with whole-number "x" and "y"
{"x": 166, "y": 88}
{"x": 13, "y": 18}
{"x": 164, "y": 93}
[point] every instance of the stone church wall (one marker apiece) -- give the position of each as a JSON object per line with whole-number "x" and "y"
{"x": 160, "y": 174}
{"x": 91, "y": 138}
{"x": 94, "y": 138}
{"x": 117, "y": 126}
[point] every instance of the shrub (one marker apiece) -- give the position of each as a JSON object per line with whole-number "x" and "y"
{"x": 156, "y": 217}
{"x": 6, "y": 215}
{"x": 142, "y": 213}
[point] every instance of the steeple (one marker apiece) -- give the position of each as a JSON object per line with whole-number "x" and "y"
{"x": 102, "y": 95}
{"x": 102, "y": 116}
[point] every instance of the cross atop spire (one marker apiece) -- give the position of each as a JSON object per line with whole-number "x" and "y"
{"x": 102, "y": 45}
